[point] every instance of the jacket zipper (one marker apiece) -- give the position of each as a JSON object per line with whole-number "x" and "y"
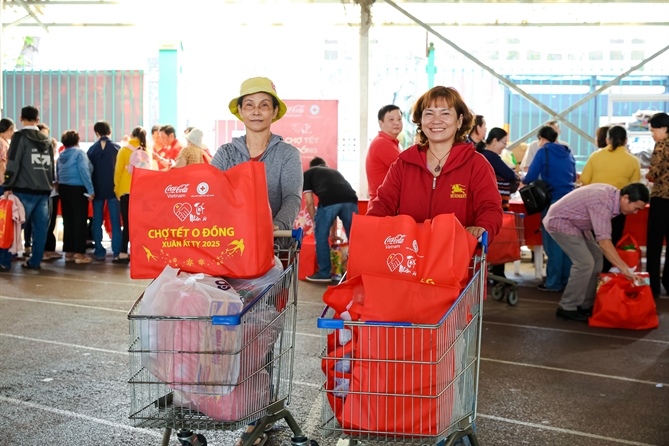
{"x": 434, "y": 186}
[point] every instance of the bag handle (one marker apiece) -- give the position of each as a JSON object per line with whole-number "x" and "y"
{"x": 630, "y": 238}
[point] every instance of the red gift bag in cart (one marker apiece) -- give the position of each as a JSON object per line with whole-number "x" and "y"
{"x": 201, "y": 220}
{"x": 438, "y": 251}
{"x": 506, "y": 245}
{"x": 622, "y": 304}
{"x": 6, "y": 224}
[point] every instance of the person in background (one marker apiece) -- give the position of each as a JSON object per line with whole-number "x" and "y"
{"x": 122, "y": 180}
{"x": 50, "y": 246}
{"x": 384, "y": 149}
{"x": 443, "y": 174}
{"x": 571, "y": 222}
{"x": 29, "y": 175}
{"x": 336, "y": 198}
{"x": 195, "y": 151}
{"x": 507, "y": 181}
{"x": 534, "y": 147}
{"x": 188, "y": 130}
{"x": 477, "y": 135}
{"x": 155, "y": 147}
{"x": 7, "y": 128}
{"x": 75, "y": 188}
{"x": 102, "y": 155}
{"x": 600, "y": 136}
{"x": 613, "y": 165}
{"x": 560, "y": 175}
{"x": 658, "y": 214}
{"x": 170, "y": 149}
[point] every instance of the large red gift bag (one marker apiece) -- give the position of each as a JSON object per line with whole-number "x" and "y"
{"x": 622, "y": 304}
{"x": 438, "y": 251}
{"x": 630, "y": 256}
{"x": 506, "y": 245}
{"x": 201, "y": 220}
{"x": 6, "y": 224}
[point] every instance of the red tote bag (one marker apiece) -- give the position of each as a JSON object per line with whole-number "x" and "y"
{"x": 201, "y": 220}
{"x": 631, "y": 257}
{"x": 372, "y": 297}
{"x": 506, "y": 245}
{"x": 6, "y": 224}
{"x": 438, "y": 251}
{"x": 622, "y": 304}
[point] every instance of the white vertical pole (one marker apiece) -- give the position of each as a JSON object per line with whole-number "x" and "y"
{"x": 2, "y": 86}
{"x": 365, "y": 22}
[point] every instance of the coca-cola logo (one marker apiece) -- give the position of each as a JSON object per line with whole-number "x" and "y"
{"x": 295, "y": 109}
{"x": 397, "y": 240}
{"x": 181, "y": 189}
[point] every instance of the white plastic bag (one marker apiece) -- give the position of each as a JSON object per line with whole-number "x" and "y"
{"x": 249, "y": 289}
{"x": 185, "y": 353}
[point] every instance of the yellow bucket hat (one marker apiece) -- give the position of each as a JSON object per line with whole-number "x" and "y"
{"x": 257, "y": 85}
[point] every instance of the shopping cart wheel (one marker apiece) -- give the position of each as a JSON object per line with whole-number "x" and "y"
{"x": 498, "y": 291}
{"x": 512, "y": 297}
{"x": 188, "y": 438}
{"x": 303, "y": 441}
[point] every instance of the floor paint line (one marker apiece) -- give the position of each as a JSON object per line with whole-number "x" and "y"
{"x": 63, "y": 344}
{"x": 45, "y": 277}
{"x": 313, "y": 421}
{"x": 70, "y": 414}
{"x": 21, "y": 299}
{"x": 561, "y": 430}
{"x": 579, "y": 372}
{"x": 307, "y": 334}
{"x": 534, "y": 327}
{"x": 306, "y": 384}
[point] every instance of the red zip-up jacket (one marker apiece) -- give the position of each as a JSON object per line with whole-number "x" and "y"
{"x": 466, "y": 187}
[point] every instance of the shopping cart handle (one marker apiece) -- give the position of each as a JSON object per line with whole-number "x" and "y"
{"x": 291, "y": 233}
{"x": 483, "y": 240}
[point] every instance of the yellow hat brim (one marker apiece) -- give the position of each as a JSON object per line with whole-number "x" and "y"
{"x": 234, "y": 109}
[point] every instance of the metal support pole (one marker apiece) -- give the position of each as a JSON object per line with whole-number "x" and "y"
{"x": 500, "y": 78}
{"x": 365, "y": 24}
{"x": 431, "y": 69}
{"x": 563, "y": 114}
{"x": 32, "y": 14}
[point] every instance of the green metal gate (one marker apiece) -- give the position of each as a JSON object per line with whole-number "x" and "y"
{"x": 77, "y": 99}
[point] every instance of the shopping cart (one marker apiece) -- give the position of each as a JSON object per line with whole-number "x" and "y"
{"x": 503, "y": 249}
{"x": 263, "y": 335}
{"x": 403, "y": 383}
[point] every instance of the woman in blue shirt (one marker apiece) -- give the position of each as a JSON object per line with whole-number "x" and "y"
{"x": 75, "y": 188}
{"x": 554, "y": 164}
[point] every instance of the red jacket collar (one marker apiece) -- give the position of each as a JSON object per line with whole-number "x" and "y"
{"x": 384, "y": 135}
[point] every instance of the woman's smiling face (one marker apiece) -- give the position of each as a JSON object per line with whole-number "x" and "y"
{"x": 440, "y": 122}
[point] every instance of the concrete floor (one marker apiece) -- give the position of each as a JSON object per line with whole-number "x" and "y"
{"x": 544, "y": 381}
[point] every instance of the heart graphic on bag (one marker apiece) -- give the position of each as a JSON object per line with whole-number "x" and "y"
{"x": 182, "y": 210}
{"x": 394, "y": 261}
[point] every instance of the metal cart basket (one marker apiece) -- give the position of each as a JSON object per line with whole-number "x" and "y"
{"x": 257, "y": 357}
{"x": 403, "y": 383}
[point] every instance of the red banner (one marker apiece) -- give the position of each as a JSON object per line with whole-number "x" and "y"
{"x": 309, "y": 125}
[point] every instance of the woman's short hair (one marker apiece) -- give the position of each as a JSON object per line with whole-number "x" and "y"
{"x": 454, "y": 100}
{"x": 618, "y": 135}
{"x": 70, "y": 138}
{"x": 547, "y": 132}
{"x": 600, "y": 136}
{"x": 659, "y": 120}
{"x": 495, "y": 133}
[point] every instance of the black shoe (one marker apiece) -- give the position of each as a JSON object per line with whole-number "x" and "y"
{"x": 122, "y": 261}
{"x": 585, "y": 311}
{"x": 317, "y": 278}
{"x": 29, "y": 266}
{"x": 567, "y": 315}
{"x": 542, "y": 287}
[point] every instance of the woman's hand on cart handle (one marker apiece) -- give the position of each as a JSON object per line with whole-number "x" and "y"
{"x": 476, "y": 231}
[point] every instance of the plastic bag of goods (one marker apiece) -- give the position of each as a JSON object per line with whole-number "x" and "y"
{"x": 191, "y": 355}
{"x": 249, "y": 289}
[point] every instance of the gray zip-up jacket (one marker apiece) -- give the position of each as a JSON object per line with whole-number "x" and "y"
{"x": 30, "y": 163}
{"x": 283, "y": 168}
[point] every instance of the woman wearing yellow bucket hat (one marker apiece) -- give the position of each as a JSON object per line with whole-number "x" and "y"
{"x": 258, "y": 106}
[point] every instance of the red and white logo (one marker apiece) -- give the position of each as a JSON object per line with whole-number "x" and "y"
{"x": 394, "y": 241}
{"x": 176, "y": 191}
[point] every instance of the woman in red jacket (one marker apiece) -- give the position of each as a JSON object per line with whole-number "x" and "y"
{"x": 443, "y": 173}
